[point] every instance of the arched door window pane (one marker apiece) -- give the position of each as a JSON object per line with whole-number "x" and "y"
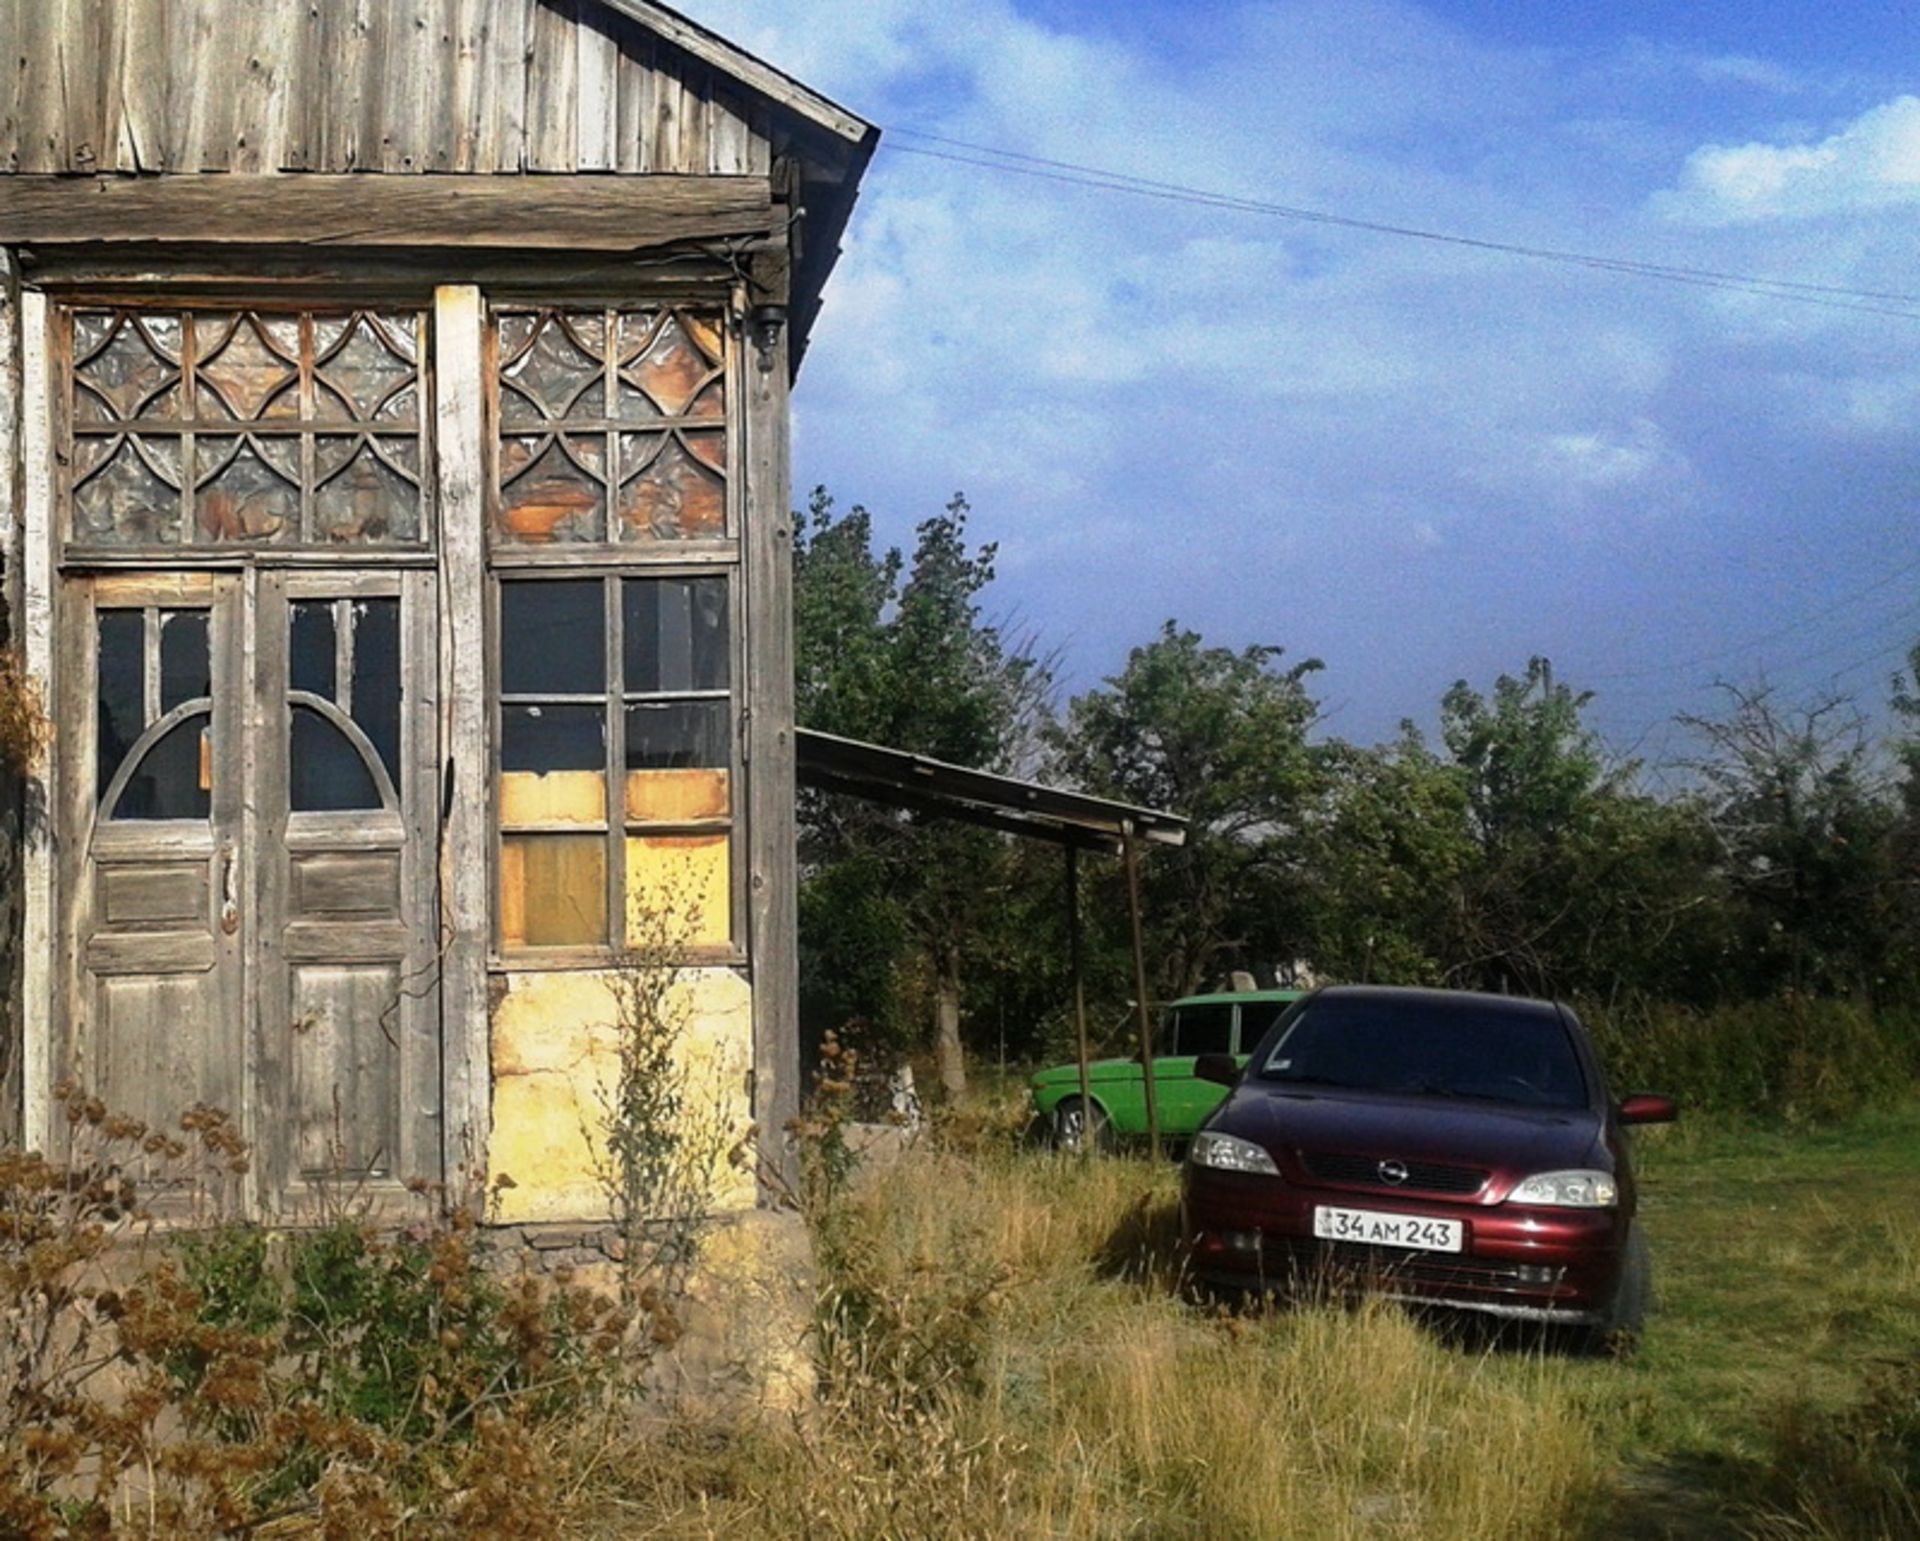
{"x": 327, "y": 773}
{"x": 174, "y": 778}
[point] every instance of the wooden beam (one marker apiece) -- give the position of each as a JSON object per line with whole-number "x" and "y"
{"x": 465, "y": 892}
{"x": 35, "y": 624}
{"x": 601, "y": 213}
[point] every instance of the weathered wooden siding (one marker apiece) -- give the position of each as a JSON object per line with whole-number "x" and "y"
{"x": 362, "y": 85}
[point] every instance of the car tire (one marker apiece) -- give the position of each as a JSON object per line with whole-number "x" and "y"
{"x": 1618, "y": 1331}
{"x": 1072, "y": 1116}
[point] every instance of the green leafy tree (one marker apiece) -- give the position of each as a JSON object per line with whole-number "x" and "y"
{"x": 1219, "y": 737}
{"x": 899, "y": 651}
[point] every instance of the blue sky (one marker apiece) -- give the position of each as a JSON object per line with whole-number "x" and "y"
{"x": 1415, "y": 461}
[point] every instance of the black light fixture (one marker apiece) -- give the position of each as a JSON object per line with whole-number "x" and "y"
{"x": 765, "y": 322}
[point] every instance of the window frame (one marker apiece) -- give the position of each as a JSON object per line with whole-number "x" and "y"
{"x": 614, "y": 827}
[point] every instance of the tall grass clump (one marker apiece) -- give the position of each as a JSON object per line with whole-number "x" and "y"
{"x": 1005, "y": 1350}
{"x": 1855, "y": 1472}
{"x": 1797, "y": 1058}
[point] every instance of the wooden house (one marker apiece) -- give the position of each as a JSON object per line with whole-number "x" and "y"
{"x": 394, "y": 480}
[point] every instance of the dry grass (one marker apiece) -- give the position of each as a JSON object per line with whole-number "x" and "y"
{"x": 1005, "y": 1353}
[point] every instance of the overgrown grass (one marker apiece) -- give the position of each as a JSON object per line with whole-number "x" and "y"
{"x": 1005, "y": 1352}
{"x": 1802, "y": 1059}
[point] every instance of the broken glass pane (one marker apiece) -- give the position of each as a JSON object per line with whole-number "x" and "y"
{"x": 325, "y": 771}
{"x": 553, "y": 638}
{"x": 174, "y": 779}
{"x": 186, "y": 669}
{"x": 121, "y": 690}
{"x": 376, "y": 677}
{"x": 675, "y": 634}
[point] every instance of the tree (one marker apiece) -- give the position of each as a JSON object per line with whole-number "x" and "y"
{"x": 899, "y": 652}
{"x": 1219, "y": 737}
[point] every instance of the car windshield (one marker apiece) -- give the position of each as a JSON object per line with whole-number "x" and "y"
{"x": 1432, "y": 1047}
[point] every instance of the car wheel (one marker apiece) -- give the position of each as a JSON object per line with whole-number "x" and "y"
{"x": 1618, "y": 1331}
{"x": 1074, "y": 1121}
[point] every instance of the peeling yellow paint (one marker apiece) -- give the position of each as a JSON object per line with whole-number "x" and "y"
{"x": 555, "y": 1043}
{"x": 690, "y": 874}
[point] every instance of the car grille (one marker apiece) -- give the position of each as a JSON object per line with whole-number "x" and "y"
{"x": 1364, "y": 1172}
{"x": 1386, "y": 1267}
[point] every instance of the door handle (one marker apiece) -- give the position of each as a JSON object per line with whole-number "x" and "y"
{"x": 229, "y": 892}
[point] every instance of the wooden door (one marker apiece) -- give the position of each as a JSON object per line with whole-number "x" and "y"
{"x": 347, "y": 993}
{"x": 248, "y": 905}
{"x": 151, "y": 843}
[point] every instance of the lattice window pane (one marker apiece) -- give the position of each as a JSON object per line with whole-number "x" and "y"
{"x": 223, "y": 427}
{"x": 612, "y": 426}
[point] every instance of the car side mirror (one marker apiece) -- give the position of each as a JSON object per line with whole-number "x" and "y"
{"x": 1646, "y": 1108}
{"x": 1222, "y": 1068}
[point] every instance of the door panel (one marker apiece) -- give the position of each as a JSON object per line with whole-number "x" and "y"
{"x": 347, "y": 1003}
{"x": 149, "y": 1014}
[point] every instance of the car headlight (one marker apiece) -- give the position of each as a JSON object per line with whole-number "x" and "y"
{"x": 1567, "y": 1190}
{"x": 1226, "y": 1153}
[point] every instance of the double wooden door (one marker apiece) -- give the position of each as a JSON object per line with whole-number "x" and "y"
{"x": 247, "y": 879}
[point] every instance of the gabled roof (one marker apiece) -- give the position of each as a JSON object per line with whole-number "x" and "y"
{"x": 769, "y": 80}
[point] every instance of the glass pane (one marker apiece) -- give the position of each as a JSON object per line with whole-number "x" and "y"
{"x": 367, "y": 490}
{"x": 311, "y": 657}
{"x": 239, "y": 495}
{"x": 548, "y": 377}
{"x": 240, "y": 368}
{"x": 186, "y": 669}
{"x": 553, "y": 765}
{"x": 125, "y": 500}
{"x": 666, "y": 493}
{"x": 376, "y": 677}
{"x": 120, "y": 689}
{"x": 553, "y": 638}
{"x": 174, "y": 779}
{"x": 325, "y": 771}
{"x": 671, "y": 363}
{"x": 551, "y": 738}
{"x": 551, "y": 489}
{"x": 672, "y": 734}
{"x": 125, "y": 371}
{"x": 1204, "y": 1030}
{"x": 365, "y": 371}
{"x": 675, "y": 634}
{"x": 678, "y": 889}
{"x": 553, "y": 890}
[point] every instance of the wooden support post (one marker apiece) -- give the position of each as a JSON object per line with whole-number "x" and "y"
{"x": 465, "y": 796}
{"x": 1141, "y": 1009}
{"x": 1076, "y": 962}
{"x": 35, "y": 630}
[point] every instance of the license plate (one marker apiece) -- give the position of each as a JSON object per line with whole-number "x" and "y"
{"x": 1378, "y": 1229}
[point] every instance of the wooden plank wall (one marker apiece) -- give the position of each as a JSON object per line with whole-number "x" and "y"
{"x": 361, "y": 85}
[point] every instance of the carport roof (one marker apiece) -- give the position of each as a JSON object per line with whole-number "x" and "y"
{"x": 833, "y": 764}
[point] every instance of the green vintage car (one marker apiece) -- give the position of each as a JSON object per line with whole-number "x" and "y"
{"x": 1194, "y": 1025}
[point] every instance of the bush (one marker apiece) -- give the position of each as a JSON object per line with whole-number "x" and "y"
{"x": 1797, "y": 1058}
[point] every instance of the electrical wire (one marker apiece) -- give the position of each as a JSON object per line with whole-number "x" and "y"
{"x": 1829, "y": 296}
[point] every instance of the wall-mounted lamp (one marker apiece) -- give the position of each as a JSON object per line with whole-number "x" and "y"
{"x": 765, "y": 322}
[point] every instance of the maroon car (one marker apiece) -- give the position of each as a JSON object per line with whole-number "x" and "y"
{"x": 1446, "y": 1147}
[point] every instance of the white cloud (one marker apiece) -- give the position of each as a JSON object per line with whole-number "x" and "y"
{"x": 1872, "y": 163}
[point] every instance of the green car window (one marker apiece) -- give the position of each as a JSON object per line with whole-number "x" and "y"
{"x": 1203, "y": 1030}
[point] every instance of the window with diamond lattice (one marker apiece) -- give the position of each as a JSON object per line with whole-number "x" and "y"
{"x": 612, "y": 425}
{"x": 245, "y": 427}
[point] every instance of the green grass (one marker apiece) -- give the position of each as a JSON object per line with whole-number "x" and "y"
{"x": 1788, "y": 1272}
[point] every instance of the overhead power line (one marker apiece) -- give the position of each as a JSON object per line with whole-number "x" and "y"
{"x": 1015, "y": 163}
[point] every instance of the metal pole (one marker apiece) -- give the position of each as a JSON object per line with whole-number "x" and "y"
{"x": 1140, "y": 988}
{"x": 1076, "y": 962}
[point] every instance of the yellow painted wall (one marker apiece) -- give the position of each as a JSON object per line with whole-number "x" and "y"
{"x": 554, "y": 1038}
